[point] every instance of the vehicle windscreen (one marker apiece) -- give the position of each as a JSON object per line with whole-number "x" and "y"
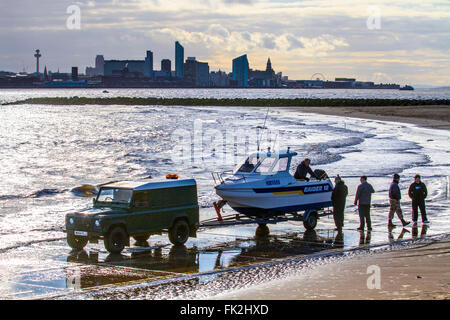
{"x": 115, "y": 196}
{"x": 249, "y": 164}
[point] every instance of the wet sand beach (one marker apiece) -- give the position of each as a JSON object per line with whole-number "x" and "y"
{"x": 421, "y": 272}
{"x": 436, "y": 117}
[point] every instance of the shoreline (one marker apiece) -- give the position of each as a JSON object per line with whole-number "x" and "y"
{"x": 421, "y": 271}
{"x": 433, "y": 116}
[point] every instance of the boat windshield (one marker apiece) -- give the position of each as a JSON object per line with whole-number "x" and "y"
{"x": 249, "y": 164}
{"x": 267, "y": 163}
{"x": 115, "y": 195}
{"x": 281, "y": 165}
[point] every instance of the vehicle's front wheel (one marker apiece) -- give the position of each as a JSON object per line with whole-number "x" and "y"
{"x": 75, "y": 242}
{"x": 179, "y": 232}
{"x": 115, "y": 240}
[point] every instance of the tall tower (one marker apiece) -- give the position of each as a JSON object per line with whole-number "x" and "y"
{"x": 269, "y": 65}
{"x": 179, "y": 60}
{"x": 37, "y": 56}
{"x": 100, "y": 65}
{"x": 148, "y": 72}
{"x": 240, "y": 71}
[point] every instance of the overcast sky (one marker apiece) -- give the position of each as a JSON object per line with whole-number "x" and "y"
{"x": 383, "y": 41}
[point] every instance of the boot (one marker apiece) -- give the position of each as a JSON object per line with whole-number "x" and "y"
{"x": 391, "y": 225}
{"x": 405, "y": 223}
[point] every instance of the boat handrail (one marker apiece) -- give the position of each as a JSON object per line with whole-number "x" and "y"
{"x": 219, "y": 177}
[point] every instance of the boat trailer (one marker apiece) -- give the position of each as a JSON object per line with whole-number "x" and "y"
{"x": 309, "y": 218}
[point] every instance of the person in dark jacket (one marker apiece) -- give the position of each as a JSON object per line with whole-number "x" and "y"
{"x": 363, "y": 199}
{"x": 418, "y": 192}
{"x": 303, "y": 169}
{"x": 394, "y": 201}
{"x": 338, "y": 197}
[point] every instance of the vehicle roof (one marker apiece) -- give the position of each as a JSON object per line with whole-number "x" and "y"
{"x": 151, "y": 184}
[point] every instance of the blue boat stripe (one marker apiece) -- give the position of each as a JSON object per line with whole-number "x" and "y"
{"x": 296, "y": 188}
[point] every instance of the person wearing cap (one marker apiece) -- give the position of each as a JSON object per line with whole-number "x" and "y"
{"x": 418, "y": 192}
{"x": 303, "y": 169}
{"x": 363, "y": 198}
{"x": 338, "y": 197}
{"x": 394, "y": 201}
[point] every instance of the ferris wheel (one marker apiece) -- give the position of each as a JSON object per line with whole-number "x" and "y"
{"x": 318, "y": 76}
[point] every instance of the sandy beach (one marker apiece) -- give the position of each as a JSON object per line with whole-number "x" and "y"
{"x": 418, "y": 272}
{"x": 437, "y": 117}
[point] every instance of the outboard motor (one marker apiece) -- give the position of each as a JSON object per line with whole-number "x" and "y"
{"x": 320, "y": 174}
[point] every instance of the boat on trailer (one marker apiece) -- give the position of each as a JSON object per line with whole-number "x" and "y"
{"x": 263, "y": 187}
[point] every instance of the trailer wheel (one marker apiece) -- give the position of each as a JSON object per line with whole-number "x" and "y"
{"x": 310, "y": 222}
{"x": 262, "y": 230}
{"x": 75, "y": 242}
{"x": 179, "y": 232}
{"x": 115, "y": 240}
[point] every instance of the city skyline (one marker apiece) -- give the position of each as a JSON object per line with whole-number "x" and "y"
{"x": 411, "y": 44}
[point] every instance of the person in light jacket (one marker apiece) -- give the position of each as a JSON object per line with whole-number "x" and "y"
{"x": 363, "y": 198}
{"x": 394, "y": 201}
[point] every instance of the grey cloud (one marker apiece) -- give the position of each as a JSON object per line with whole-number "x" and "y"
{"x": 268, "y": 42}
{"x": 294, "y": 43}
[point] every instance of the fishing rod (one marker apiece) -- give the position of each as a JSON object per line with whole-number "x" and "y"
{"x": 264, "y": 126}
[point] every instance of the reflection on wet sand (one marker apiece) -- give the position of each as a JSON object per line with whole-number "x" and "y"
{"x": 147, "y": 264}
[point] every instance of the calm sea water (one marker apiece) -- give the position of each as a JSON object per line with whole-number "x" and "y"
{"x": 10, "y": 95}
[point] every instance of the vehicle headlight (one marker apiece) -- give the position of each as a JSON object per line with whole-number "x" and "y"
{"x": 71, "y": 221}
{"x": 97, "y": 223}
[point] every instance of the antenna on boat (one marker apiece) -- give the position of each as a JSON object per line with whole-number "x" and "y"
{"x": 264, "y": 126}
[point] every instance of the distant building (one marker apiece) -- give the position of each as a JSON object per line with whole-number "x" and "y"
{"x": 179, "y": 60}
{"x": 116, "y": 67}
{"x": 196, "y": 73}
{"x": 99, "y": 69}
{"x": 74, "y": 73}
{"x": 219, "y": 79}
{"x": 264, "y": 79}
{"x": 148, "y": 65}
{"x": 166, "y": 65}
{"x": 240, "y": 71}
{"x": 100, "y": 65}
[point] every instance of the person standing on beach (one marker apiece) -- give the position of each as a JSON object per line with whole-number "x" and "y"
{"x": 394, "y": 200}
{"x": 363, "y": 199}
{"x": 418, "y": 192}
{"x": 338, "y": 197}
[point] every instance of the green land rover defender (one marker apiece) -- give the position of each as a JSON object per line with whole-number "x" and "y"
{"x": 136, "y": 209}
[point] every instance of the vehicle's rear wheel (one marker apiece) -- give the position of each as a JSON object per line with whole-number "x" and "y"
{"x": 115, "y": 240}
{"x": 75, "y": 242}
{"x": 142, "y": 237}
{"x": 179, "y": 232}
{"x": 310, "y": 222}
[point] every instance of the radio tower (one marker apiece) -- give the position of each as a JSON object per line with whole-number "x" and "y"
{"x": 37, "y": 56}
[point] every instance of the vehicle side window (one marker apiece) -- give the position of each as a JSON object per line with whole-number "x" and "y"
{"x": 141, "y": 199}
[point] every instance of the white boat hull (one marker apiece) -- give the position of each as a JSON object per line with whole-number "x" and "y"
{"x": 279, "y": 200}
